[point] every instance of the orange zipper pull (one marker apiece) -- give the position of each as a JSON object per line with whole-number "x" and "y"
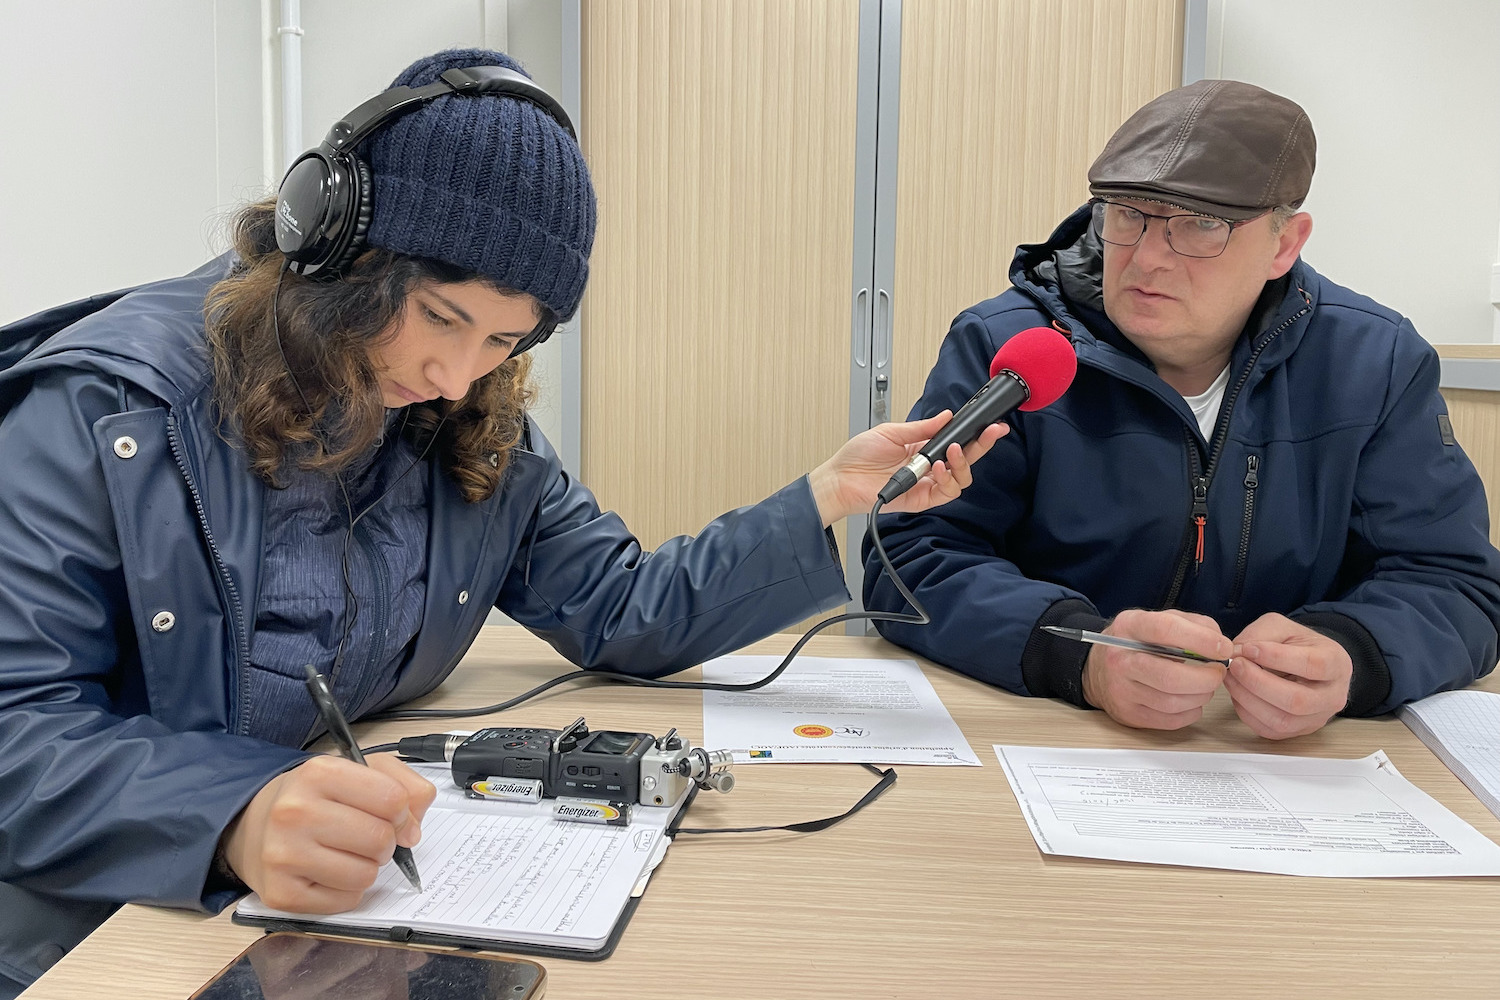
{"x": 1200, "y": 517}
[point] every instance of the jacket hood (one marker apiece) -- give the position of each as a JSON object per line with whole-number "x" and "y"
{"x": 1064, "y": 275}
{"x": 121, "y": 335}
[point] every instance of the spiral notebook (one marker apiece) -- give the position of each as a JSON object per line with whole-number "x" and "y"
{"x": 503, "y": 875}
{"x": 1463, "y": 729}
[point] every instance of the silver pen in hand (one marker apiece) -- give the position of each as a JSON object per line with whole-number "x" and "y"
{"x": 1140, "y": 646}
{"x": 338, "y": 731}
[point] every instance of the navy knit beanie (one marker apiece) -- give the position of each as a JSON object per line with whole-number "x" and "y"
{"x": 487, "y": 183}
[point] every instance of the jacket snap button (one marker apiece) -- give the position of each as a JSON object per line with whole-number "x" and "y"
{"x": 163, "y": 621}
{"x": 463, "y": 597}
{"x": 48, "y": 955}
{"x": 126, "y": 447}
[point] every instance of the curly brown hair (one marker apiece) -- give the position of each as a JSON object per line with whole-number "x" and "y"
{"x": 330, "y": 412}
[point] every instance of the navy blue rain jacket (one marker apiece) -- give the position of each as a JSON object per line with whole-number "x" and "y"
{"x": 1332, "y": 492}
{"x": 130, "y": 547}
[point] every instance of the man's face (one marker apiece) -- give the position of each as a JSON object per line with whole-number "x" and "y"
{"x": 1182, "y": 311}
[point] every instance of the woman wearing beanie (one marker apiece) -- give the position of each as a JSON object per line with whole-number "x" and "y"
{"x": 319, "y": 454}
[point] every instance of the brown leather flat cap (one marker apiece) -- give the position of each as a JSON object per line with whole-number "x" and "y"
{"x": 1219, "y": 147}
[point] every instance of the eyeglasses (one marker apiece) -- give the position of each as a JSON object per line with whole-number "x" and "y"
{"x": 1190, "y": 235}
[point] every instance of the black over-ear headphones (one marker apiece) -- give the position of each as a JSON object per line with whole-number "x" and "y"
{"x": 323, "y": 206}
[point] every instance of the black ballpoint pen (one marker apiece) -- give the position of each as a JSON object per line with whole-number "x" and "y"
{"x": 1140, "y": 646}
{"x": 338, "y": 731}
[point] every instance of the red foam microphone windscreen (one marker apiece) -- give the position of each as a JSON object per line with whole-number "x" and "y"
{"x": 1043, "y": 359}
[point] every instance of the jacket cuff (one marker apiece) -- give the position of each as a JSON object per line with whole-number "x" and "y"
{"x": 813, "y": 546}
{"x": 223, "y": 878}
{"x": 1051, "y": 666}
{"x": 1370, "y": 684}
{"x": 221, "y": 884}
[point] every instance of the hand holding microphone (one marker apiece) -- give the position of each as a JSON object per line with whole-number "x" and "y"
{"x": 846, "y": 483}
{"x": 1030, "y": 371}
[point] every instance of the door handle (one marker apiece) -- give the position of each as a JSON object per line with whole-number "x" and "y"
{"x": 882, "y": 341}
{"x": 862, "y": 327}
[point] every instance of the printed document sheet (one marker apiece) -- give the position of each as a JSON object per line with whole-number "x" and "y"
{"x": 830, "y": 710}
{"x": 509, "y": 872}
{"x": 1252, "y": 812}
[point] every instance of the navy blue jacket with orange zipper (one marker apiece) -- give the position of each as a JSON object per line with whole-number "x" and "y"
{"x": 1332, "y": 492}
{"x": 130, "y": 555}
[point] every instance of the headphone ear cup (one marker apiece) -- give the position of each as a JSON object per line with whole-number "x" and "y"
{"x": 354, "y": 244}
{"x": 302, "y": 204}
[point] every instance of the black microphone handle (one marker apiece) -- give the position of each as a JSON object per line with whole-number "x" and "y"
{"x": 994, "y": 400}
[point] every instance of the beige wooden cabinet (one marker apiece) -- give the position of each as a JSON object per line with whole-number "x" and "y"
{"x": 797, "y": 196}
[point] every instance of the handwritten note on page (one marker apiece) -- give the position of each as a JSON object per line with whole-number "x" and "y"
{"x": 508, "y": 871}
{"x": 1252, "y": 812}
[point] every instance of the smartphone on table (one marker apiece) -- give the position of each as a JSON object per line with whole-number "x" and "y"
{"x": 287, "y": 965}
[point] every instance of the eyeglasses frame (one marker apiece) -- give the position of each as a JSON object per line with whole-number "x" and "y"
{"x": 1166, "y": 232}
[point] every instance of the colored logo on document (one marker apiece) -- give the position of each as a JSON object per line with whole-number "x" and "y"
{"x": 760, "y": 754}
{"x": 813, "y": 732}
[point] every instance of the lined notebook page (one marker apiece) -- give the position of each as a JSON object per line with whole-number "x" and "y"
{"x": 1463, "y": 729}
{"x": 501, "y": 871}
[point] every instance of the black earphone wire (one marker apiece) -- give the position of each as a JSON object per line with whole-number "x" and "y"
{"x": 920, "y": 618}
{"x": 351, "y": 611}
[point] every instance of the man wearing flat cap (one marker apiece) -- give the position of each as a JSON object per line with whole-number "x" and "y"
{"x": 1253, "y": 463}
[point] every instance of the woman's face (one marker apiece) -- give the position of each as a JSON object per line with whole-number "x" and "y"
{"x": 448, "y": 336}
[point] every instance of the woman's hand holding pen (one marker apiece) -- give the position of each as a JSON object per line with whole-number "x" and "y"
{"x": 1147, "y": 691}
{"x": 314, "y": 838}
{"x": 848, "y": 482}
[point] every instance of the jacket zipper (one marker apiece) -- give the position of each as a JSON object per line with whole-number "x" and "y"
{"x": 1192, "y": 544}
{"x": 1252, "y": 480}
{"x": 237, "y": 614}
{"x": 1198, "y": 516}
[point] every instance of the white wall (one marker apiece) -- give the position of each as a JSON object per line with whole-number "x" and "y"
{"x": 132, "y": 130}
{"x": 1405, "y": 99}
{"x": 126, "y": 129}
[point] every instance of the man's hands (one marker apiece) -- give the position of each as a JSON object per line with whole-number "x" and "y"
{"x": 1284, "y": 679}
{"x": 1146, "y": 691}
{"x": 313, "y": 839}
{"x": 1287, "y": 680}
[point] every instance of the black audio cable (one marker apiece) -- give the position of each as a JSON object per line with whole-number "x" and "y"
{"x": 921, "y": 617}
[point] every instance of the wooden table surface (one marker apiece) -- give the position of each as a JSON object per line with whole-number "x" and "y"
{"x": 936, "y": 889}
